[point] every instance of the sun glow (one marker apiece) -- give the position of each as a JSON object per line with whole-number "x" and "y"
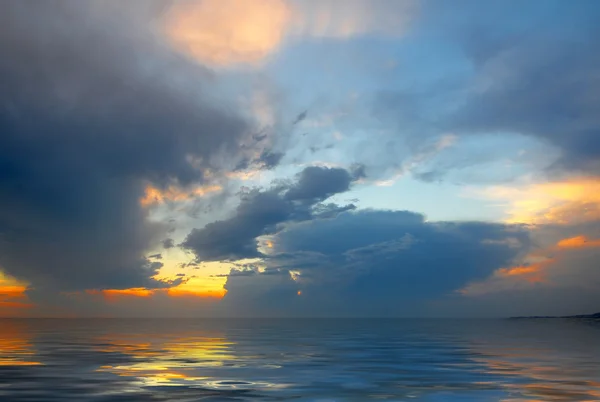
{"x": 566, "y": 202}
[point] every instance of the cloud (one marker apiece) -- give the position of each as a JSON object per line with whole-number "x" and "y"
{"x": 335, "y": 19}
{"x": 92, "y": 113}
{"x": 420, "y": 157}
{"x": 370, "y": 263}
{"x": 223, "y": 32}
{"x": 557, "y": 276}
{"x": 136, "y": 303}
{"x": 535, "y": 77}
{"x": 261, "y": 211}
{"x": 570, "y": 201}
{"x": 232, "y": 32}
{"x": 539, "y": 82}
{"x": 168, "y": 243}
{"x": 318, "y": 183}
{"x": 13, "y": 300}
{"x": 172, "y": 193}
{"x": 300, "y": 117}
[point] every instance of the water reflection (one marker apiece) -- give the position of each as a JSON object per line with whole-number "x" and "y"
{"x": 548, "y": 360}
{"x": 343, "y": 360}
{"x": 15, "y": 346}
{"x": 165, "y": 360}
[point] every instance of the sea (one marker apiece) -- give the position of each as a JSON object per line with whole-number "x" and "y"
{"x": 326, "y": 360}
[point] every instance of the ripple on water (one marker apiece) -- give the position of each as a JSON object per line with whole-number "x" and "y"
{"x": 195, "y": 360}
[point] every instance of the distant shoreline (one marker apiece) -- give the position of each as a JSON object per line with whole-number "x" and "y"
{"x": 595, "y": 316}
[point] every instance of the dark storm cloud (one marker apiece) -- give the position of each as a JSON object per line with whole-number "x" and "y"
{"x": 377, "y": 263}
{"x": 260, "y": 212}
{"x": 235, "y": 238}
{"x": 91, "y": 110}
{"x": 168, "y": 243}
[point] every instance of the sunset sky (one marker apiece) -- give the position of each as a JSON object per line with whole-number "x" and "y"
{"x": 211, "y": 158}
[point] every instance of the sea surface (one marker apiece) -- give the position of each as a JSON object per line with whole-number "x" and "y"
{"x": 299, "y": 360}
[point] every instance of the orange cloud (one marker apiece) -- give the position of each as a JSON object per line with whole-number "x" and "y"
{"x": 537, "y": 271}
{"x": 13, "y": 299}
{"x": 229, "y": 32}
{"x": 111, "y": 295}
{"x": 578, "y": 242}
{"x": 225, "y": 32}
{"x": 517, "y": 271}
{"x": 570, "y": 201}
{"x": 115, "y": 295}
{"x": 154, "y": 195}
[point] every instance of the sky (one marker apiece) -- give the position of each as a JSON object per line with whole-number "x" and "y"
{"x": 299, "y": 158}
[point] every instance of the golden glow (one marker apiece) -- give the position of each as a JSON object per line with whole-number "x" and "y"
{"x": 571, "y": 201}
{"x": 205, "y": 286}
{"x": 153, "y": 195}
{"x": 114, "y": 295}
{"x": 211, "y": 293}
{"x": 231, "y": 32}
{"x": 225, "y": 32}
{"x": 299, "y": 293}
{"x": 161, "y": 361}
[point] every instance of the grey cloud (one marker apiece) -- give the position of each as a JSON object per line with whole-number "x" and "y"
{"x": 259, "y": 295}
{"x": 386, "y": 263}
{"x": 300, "y": 117}
{"x": 372, "y": 263}
{"x": 260, "y": 213}
{"x": 270, "y": 159}
{"x": 92, "y": 111}
{"x": 318, "y": 183}
{"x": 235, "y": 238}
{"x": 168, "y": 243}
{"x": 535, "y": 77}
{"x": 238, "y": 272}
{"x": 155, "y": 256}
{"x": 543, "y": 87}
{"x": 330, "y": 210}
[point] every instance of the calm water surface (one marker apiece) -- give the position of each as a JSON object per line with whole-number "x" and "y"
{"x": 299, "y": 360}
